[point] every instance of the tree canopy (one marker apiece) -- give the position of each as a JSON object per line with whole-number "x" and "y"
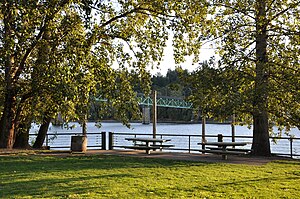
{"x": 55, "y": 55}
{"x": 257, "y": 74}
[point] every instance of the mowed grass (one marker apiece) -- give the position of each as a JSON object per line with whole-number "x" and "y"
{"x": 125, "y": 177}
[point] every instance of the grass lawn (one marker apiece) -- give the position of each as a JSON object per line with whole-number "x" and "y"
{"x": 125, "y": 177}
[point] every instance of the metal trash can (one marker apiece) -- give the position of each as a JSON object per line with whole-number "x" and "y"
{"x": 78, "y": 143}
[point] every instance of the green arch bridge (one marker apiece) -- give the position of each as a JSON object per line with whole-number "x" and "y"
{"x": 161, "y": 101}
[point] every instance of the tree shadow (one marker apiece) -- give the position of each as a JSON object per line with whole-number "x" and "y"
{"x": 52, "y": 187}
{"x": 16, "y": 172}
{"x": 288, "y": 162}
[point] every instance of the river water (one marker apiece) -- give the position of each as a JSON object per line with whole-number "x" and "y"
{"x": 281, "y": 146}
{"x": 162, "y": 128}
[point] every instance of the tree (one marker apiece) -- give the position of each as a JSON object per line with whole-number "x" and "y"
{"x": 203, "y": 90}
{"x": 19, "y": 23}
{"x": 258, "y": 43}
{"x": 86, "y": 39}
{"x": 35, "y": 35}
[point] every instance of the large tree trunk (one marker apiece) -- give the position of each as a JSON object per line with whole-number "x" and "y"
{"x": 7, "y": 124}
{"x": 261, "y": 143}
{"x": 22, "y": 136}
{"x": 42, "y": 133}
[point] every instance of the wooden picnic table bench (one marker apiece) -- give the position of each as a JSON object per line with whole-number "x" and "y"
{"x": 222, "y": 148}
{"x": 148, "y": 144}
{"x": 230, "y": 149}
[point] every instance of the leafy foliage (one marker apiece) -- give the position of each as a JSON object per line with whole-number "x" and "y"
{"x": 55, "y": 55}
{"x": 282, "y": 66}
{"x": 258, "y": 45}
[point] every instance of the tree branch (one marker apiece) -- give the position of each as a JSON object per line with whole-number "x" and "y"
{"x": 137, "y": 10}
{"x": 283, "y": 11}
{"x": 118, "y": 17}
{"x": 126, "y": 41}
{"x": 43, "y": 27}
{"x": 236, "y": 9}
{"x": 270, "y": 5}
{"x": 157, "y": 13}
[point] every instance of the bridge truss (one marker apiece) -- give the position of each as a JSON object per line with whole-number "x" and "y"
{"x": 165, "y": 102}
{"x": 160, "y": 102}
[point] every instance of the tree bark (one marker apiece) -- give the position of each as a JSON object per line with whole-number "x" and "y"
{"x": 7, "y": 128}
{"x": 22, "y": 136}
{"x": 7, "y": 123}
{"x": 42, "y": 133}
{"x": 261, "y": 143}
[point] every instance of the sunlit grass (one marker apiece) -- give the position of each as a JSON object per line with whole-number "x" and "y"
{"x": 124, "y": 177}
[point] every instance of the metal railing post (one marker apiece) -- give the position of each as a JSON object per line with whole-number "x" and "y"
{"x": 110, "y": 141}
{"x": 103, "y": 140}
{"x": 291, "y": 146}
{"x": 47, "y": 141}
{"x": 220, "y": 138}
{"x": 161, "y": 137}
{"x": 233, "y": 129}
{"x": 189, "y": 144}
{"x": 134, "y": 142}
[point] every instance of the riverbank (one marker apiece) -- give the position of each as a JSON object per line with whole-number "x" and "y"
{"x": 168, "y": 122}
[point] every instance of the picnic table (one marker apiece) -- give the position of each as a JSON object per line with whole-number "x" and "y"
{"x": 222, "y": 148}
{"x": 148, "y": 144}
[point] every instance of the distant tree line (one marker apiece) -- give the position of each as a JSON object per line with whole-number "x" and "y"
{"x": 168, "y": 85}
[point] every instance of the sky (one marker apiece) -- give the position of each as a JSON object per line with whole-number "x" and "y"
{"x": 169, "y": 63}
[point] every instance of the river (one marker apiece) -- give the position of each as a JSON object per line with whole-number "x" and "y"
{"x": 282, "y": 146}
{"x": 164, "y": 128}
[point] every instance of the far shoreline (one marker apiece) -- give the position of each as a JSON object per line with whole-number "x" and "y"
{"x": 166, "y": 122}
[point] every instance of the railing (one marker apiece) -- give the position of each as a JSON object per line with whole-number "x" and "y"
{"x": 63, "y": 140}
{"x": 286, "y": 146}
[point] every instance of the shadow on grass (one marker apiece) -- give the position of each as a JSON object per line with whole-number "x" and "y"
{"x": 51, "y": 163}
{"x": 39, "y": 176}
{"x": 238, "y": 188}
{"x": 56, "y": 187}
{"x": 295, "y": 162}
{"x": 94, "y": 176}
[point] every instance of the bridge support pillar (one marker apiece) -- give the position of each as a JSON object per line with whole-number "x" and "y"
{"x": 146, "y": 115}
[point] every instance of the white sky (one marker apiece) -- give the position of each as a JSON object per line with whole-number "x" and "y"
{"x": 168, "y": 60}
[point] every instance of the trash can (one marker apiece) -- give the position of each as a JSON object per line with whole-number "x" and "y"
{"x": 78, "y": 143}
